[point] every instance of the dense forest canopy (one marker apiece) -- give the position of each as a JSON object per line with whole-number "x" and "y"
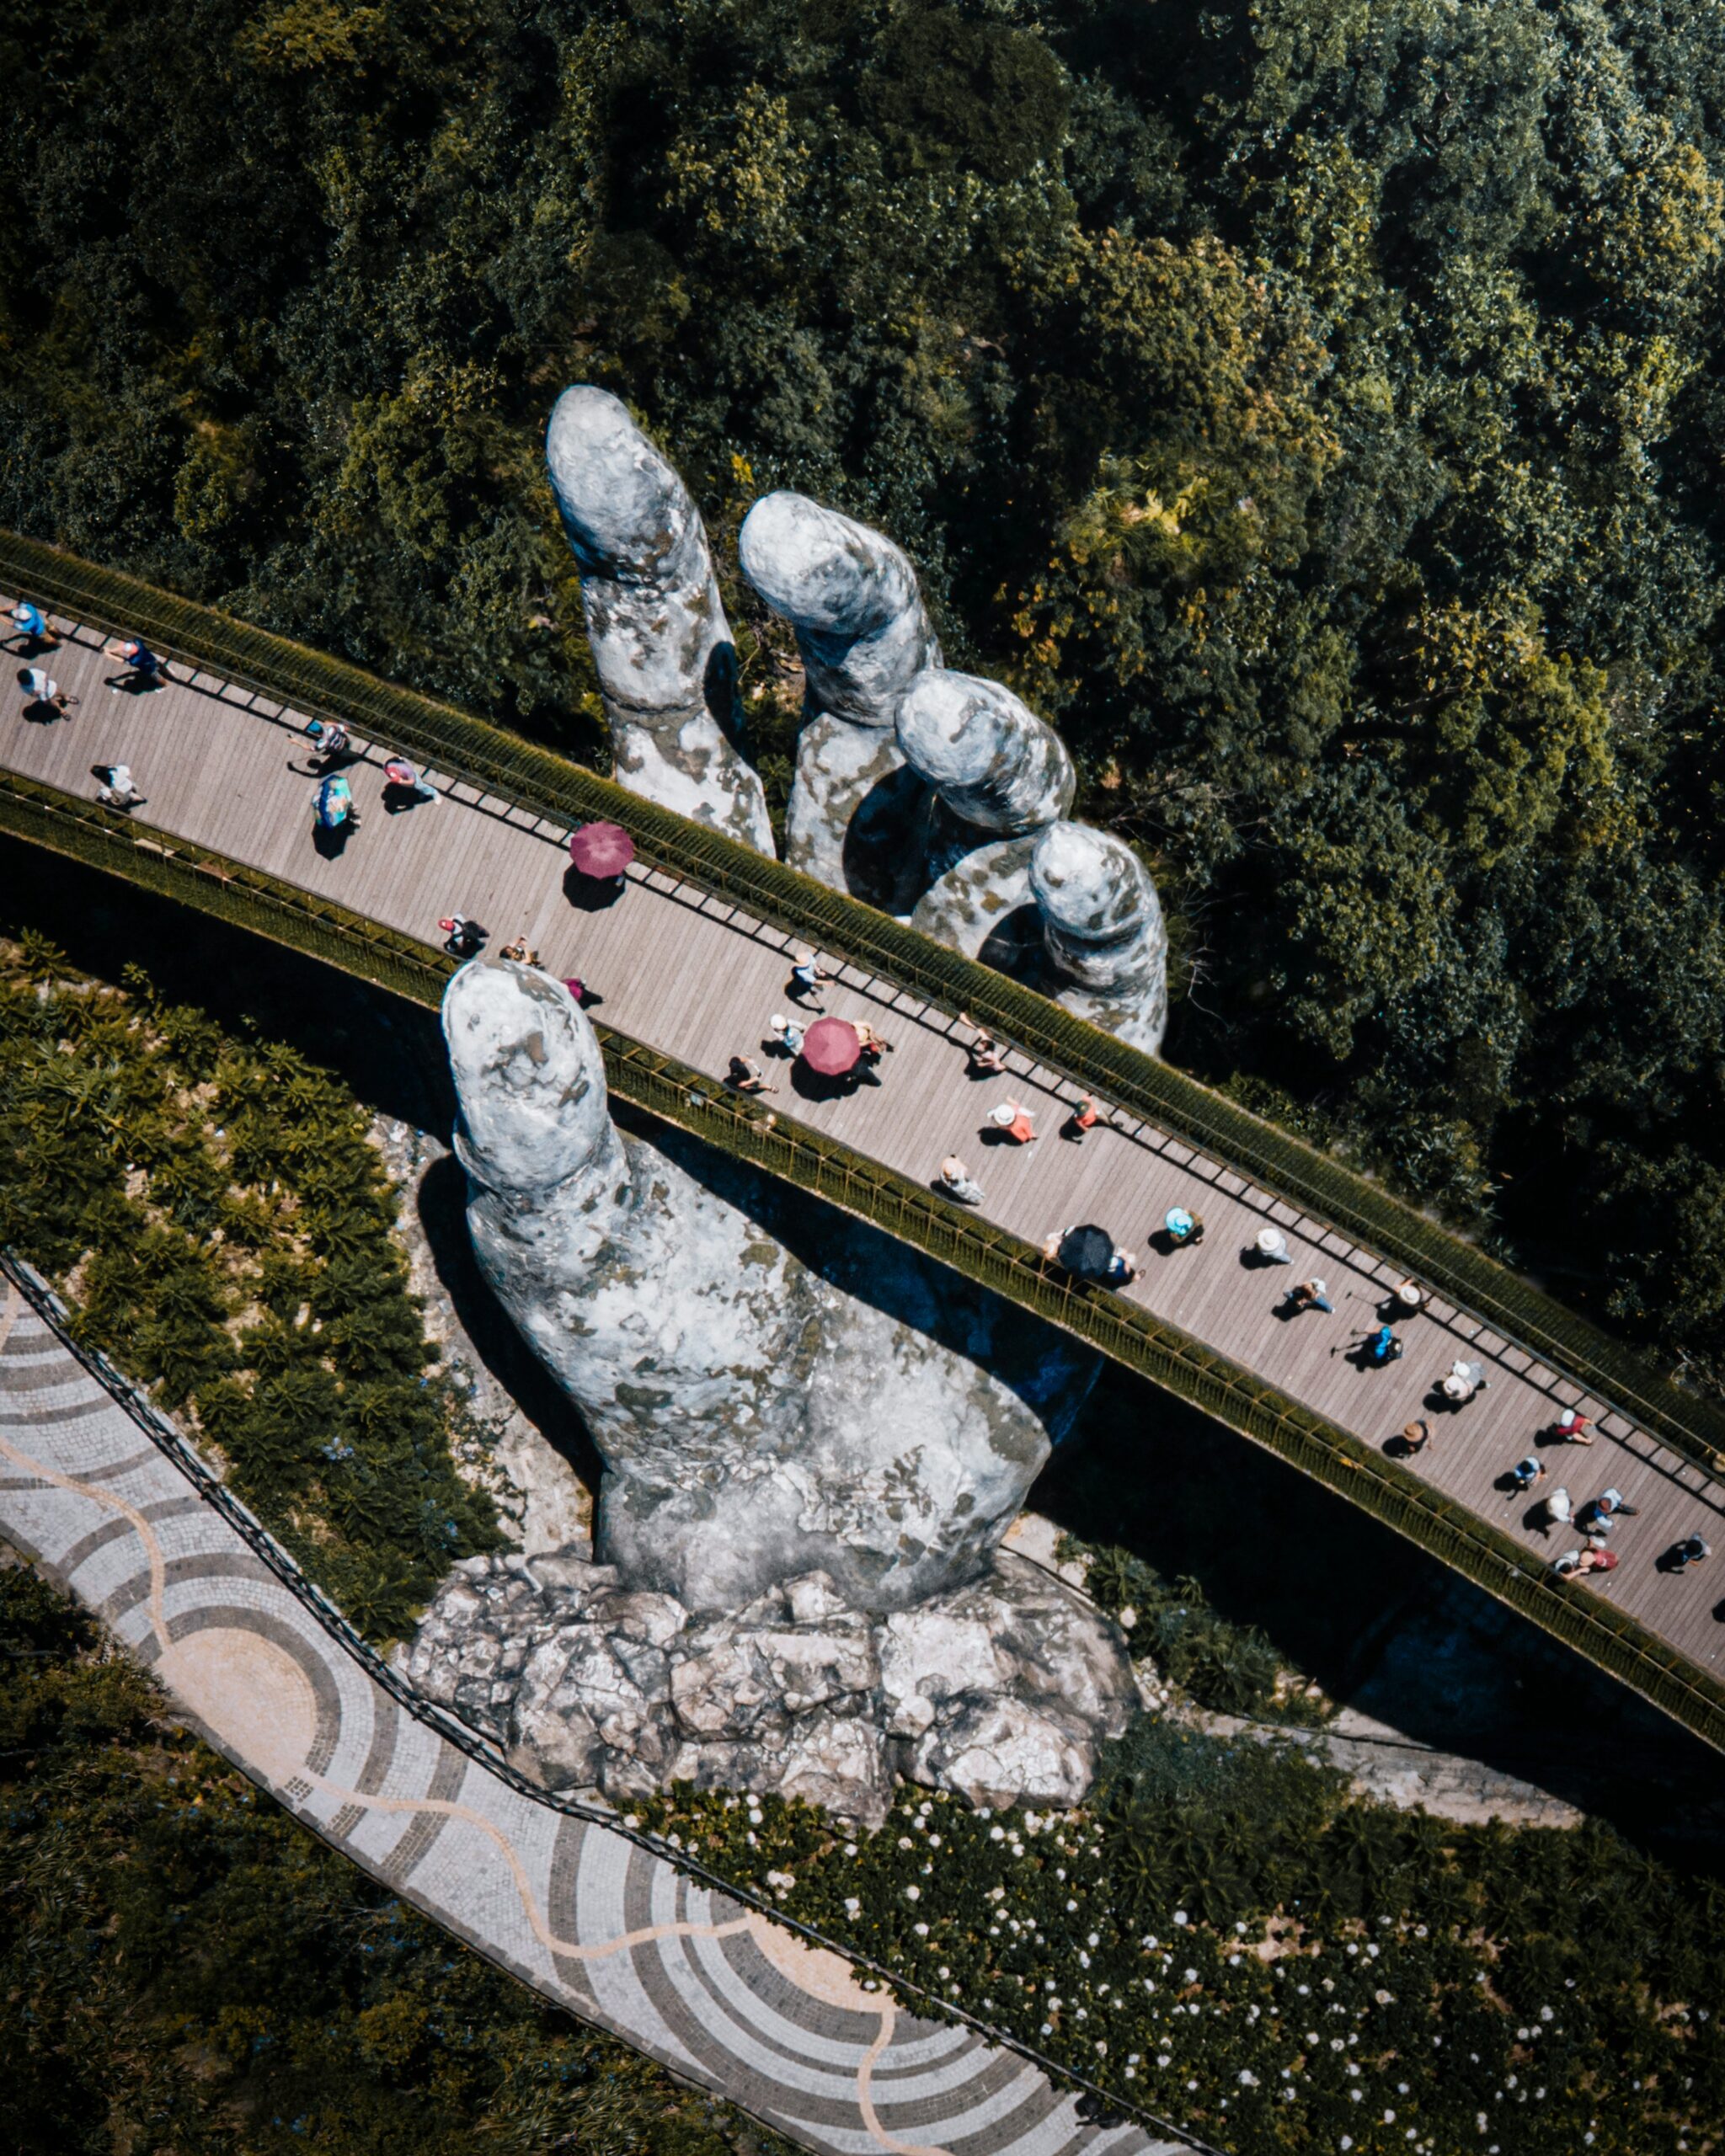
{"x": 1317, "y": 408}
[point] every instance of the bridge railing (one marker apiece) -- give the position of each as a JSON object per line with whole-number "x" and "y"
{"x": 747, "y": 1131}
{"x": 460, "y": 746}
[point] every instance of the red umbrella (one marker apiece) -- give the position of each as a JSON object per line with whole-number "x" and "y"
{"x": 830, "y": 1046}
{"x": 601, "y": 849}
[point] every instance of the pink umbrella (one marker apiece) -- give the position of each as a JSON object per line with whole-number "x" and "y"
{"x": 601, "y": 849}
{"x": 830, "y": 1046}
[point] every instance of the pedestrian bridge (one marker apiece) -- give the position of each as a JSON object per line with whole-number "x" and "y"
{"x": 692, "y": 960}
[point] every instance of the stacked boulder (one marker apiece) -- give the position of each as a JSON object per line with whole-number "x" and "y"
{"x": 1000, "y": 1691}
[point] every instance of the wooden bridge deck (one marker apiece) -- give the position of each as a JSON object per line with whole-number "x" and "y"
{"x": 698, "y": 978}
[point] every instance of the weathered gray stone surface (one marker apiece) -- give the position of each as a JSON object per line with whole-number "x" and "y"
{"x": 667, "y": 668}
{"x": 1001, "y": 1690}
{"x": 983, "y": 906}
{"x": 994, "y": 763}
{"x": 857, "y": 819}
{"x": 999, "y": 776}
{"x": 762, "y": 1415}
{"x": 1103, "y": 930}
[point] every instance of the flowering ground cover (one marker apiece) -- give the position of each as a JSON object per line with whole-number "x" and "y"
{"x": 1224, "y": 1936}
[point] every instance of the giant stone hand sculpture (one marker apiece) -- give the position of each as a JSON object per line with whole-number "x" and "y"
{"x": 1104, "y": 932}
{"x": 667, "y": 669}
{"x": 809, "y": 1460}
{"x": 915, "y": 788}
{"x": 757, "y": 1419}
{"x": 1001, "y": 776}
{"x": 858, "y": 818}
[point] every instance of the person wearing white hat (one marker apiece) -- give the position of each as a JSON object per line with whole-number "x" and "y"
{"x": 1272, "y": 1246}
{"x": 786, "y": 1033}
{"x": 1014, "y": 1121}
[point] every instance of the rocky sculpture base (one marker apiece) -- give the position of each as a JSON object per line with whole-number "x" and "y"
{"x": 1001, "y": 1691}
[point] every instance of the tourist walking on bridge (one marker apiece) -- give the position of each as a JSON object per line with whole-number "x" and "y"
{"x": 31, "y": 628}
{"x": 1182, "y": 1228}
{"x": 983, "y": 1054}
{"x": 1570, "y": 1428}
{"x": 1692, "y": 1551}
{"x": 144, "y": 668}
{"x": 403, "y": 786}
{"x": 807, "y": 980}
{"x": 956, "y": 1182}
{"x": 1012, "y": 1121}
{"x": 327, "y": 740}
{"x": 1597, "y": 1517}
{"x": 746, "y": 1076}
{"x": 1310, "y": 1295}
{"x": 39, "y": 689}
{"x": 118, "y": 790}
{"x": 462, "y": 938}
{"x": 332, "y": 806}
{"x": 1462, "y": 1381}
{"x": 787, "y": 1036}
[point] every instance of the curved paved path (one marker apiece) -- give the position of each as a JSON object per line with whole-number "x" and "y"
{"x": 718, "y": 1992}
{"x": 698, "y": 978}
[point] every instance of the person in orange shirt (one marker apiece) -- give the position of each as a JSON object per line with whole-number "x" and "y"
{"x": 1013, "y": 1121}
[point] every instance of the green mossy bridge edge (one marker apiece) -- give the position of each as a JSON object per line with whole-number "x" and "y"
{"x": 665, "y": 1088}
{"x": 540, "y": 782}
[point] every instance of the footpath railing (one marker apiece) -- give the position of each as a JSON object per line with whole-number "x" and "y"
{"x": 460, "y": 746}
{"x": 172, "y": 1445}
{"x": 793, "y": 1153}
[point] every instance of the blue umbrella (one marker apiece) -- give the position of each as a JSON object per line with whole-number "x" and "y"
{"x": 335, "y": 802}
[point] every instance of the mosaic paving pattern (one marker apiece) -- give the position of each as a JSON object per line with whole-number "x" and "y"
{"x": 718, "y": 1992}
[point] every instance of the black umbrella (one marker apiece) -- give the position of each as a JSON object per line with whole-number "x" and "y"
{"x": 1086, "y": 1252}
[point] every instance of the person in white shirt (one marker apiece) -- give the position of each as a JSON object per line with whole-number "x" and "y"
{"x": 120, "y": 790}
{"x": 39, "y": 688}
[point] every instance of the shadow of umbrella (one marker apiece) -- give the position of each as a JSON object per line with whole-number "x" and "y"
{"x": 1087, "y": 1252}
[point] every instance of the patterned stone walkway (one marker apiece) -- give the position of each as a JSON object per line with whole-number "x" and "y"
{"x": 719, "y": 1993}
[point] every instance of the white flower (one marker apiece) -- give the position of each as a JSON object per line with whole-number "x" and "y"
{"x": 1180, "y": 1916}
{"x": 945, "y": 1971}
{"x": 1389, "y": 2118}
{"x": 1164, "y": 2058}
{"x": 996, "y": 1834}
{"x": 913, "y": 1893}
{"x": 1071, "y": 1908}
{"x": 1192, "y": 1976}
{"x": 853, "y": 1907}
